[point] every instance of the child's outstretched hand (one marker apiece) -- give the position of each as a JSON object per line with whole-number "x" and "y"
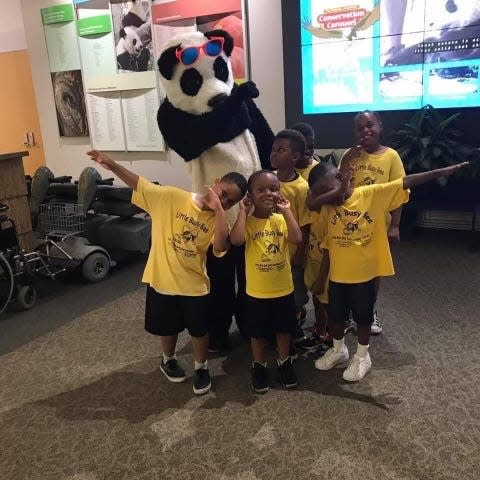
{"x": 452, "y": 169}
{"x": 283, "y": 204}
{"x": 102, "y": 158}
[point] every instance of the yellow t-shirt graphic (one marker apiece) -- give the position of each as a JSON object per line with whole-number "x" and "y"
{"x": 356, "y": 234}
{"x": 181, "y": 235}
{"x": 370, "y": 169}
{"x": 267, "y": 258}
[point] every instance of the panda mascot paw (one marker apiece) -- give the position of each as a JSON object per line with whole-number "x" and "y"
{"x": 213, "y": 124}
{"x": 246, "y": 90}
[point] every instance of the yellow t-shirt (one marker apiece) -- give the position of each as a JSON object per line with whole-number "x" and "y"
{"x": 305, "y": 172}
{"x": 267, "y": 262}
{"x": 370, "y": 169}
{"x": 181, "y": 235}
{"x": 315, "y": 255}
{"x": 296, "y": 193}
{"x": 357, "y": 235}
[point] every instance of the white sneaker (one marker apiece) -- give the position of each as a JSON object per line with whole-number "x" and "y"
{"x": 376, "y": 327}
{"x": 332, "y": 358}
{"x": 357, "y": 368}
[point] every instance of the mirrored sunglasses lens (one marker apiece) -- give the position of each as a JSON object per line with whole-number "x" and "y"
{"x": 189, "y": 55}
{"x": 213, "y": 48}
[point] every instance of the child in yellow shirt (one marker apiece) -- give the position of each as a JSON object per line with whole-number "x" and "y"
{"x": 355, "y": 237}
{"x": 371, "y": 164}
{"x": 270, "y": 304}
{"x": 287, "y": 150}
{"x": 184, "y": 225}
{"x": 305, "y": 164}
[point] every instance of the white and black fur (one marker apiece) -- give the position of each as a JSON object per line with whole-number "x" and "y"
{"x": 211, "y": 123}
{"x": 131, "y": 55}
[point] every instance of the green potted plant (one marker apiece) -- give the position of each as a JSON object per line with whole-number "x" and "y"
{"x": 431, "y": 140}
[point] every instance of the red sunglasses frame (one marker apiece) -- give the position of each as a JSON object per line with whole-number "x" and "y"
{"x": 178, "y": 52}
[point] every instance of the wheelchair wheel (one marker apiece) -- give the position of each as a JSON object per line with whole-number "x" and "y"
{"x": 6, "y": 283}
{"x": 26, "y": 297}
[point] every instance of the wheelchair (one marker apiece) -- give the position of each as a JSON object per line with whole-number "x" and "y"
{"x": 16, "y": 267}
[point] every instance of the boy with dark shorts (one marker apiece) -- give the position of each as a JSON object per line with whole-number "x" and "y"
{"x": 356, "y": 247}
{"x": 184, "y": 224}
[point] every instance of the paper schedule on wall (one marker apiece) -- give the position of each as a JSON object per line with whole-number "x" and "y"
{"x": 140, "y": 111}
{"x": 105, "y": 117}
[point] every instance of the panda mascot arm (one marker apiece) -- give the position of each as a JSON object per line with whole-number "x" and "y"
{"x": 203, "y": 107}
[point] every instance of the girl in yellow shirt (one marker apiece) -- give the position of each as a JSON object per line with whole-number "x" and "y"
{"x": 270, "y": 302}
{"x": 357, "y": 248}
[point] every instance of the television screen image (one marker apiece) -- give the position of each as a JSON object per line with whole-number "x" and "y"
{"x": 389, "y": 54}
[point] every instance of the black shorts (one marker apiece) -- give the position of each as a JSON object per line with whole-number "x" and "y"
{"x": 167, "y": 315}
{"x": 357, "y": 297}
{"x": 267, "y": 316}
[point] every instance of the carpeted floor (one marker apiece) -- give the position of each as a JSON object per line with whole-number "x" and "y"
{"x": 82, "y": 397}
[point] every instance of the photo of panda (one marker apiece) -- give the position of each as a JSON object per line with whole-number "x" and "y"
{"x": 133, "y": 35}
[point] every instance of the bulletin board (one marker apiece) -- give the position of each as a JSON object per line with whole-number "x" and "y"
{"x": 102, "y": 58}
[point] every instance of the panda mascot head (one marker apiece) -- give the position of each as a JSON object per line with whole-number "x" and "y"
{"x": 196, "y": 71}
{"x": 206, "y": 118}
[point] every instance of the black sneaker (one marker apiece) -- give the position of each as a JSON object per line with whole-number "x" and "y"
{"x": 173, "y": 371}
{"x": 307, "y": 343}
{"x": 287, "y": 374}
{"x": 259, "y": 378}
{"x": 201, "y": 381}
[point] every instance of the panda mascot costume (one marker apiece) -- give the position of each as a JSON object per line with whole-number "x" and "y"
{"x": 215, "y": 126}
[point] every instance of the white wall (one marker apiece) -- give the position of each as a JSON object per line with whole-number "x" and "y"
{"x": 66, "y": 156}
{"x": 12, "y": 33}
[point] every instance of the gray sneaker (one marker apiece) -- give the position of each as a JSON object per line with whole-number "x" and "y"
{"x": 376, "y": 327}
{"x": 350, "y": 325}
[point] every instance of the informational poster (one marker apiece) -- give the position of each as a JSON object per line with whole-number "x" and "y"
{"x": 96, "y": 42}
{"x": 389, "y": 54}
{"x": 120, "y": 82}
{"x": 140, "y": 112}
{"x": 204, "y": 16}
{"x": 106, "y": 122}
{"x": 61, "y": 37}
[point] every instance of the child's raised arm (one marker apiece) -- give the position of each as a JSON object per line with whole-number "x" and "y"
{"x": 237, "y": 234}
{"x": 210, "y": 199}
{"x": 416, "y": 179}
{"x": 128, "y": 177}
{"x": 294, "y": 232}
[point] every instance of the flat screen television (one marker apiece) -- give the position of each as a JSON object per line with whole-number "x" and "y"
{"x": 391, "y": 56}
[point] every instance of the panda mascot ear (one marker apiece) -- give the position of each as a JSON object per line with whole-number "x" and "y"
{"x": 228, "y": 40}
{"x": 167, "y": 62}
{"x": 122, "y": 33}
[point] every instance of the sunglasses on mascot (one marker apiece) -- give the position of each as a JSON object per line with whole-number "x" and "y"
{"x": 189, "y": 55}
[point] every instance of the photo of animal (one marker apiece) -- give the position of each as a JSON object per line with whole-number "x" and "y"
{"x": 451, "y": 27}
{"x": 133, "y": 36}
{"x": 70, "y": 103}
